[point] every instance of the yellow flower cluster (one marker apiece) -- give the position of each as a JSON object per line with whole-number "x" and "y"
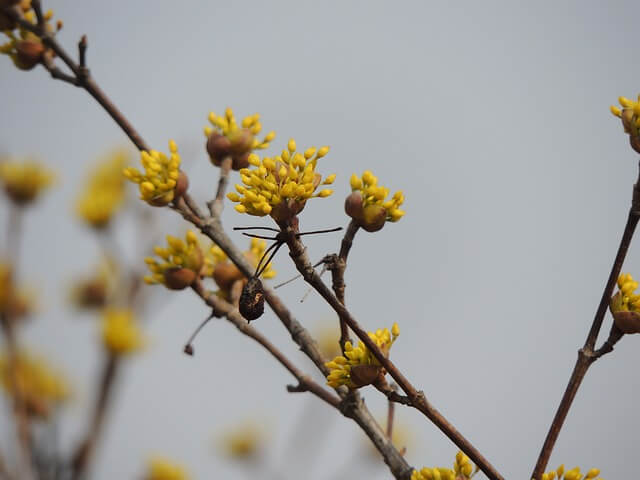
{"x": 120, "y": 332}
{"x": 182, "y": 262}
{"x": 39, "y": 387}
{"x": 228, "y": 139}
{"x": 24, "y": 181}
{"x": 243, "y": 442}
{"x": 25, "y": 48}
{"x": 629, "y": 301}
{"x": 630, "y": 116}
{"x": 367, "y": 203}
{"x": 161, "y": 173}
{"x": 14, "y": 302}
{"x": 350, "y": 369}
{"x": 104, "y": 192}
{"x": 280, "y": 186}
{"x": 161, "y": 468}
{"x": 573, "y": 474}
{"x": 462, "y": 470}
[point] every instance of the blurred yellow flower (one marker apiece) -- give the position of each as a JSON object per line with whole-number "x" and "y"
{"x": 24, "y": 181}
{"x": 161, "y": 468}
{"x": 104, "y": 191}
{"x": 225, "y": 273}
{"x": 328, "y": 339}
{"x": 280, "y": 186}
{"x": 15, "y": 302}
{"x": 225, "y": 138}
{"x": 367, "y": 203}
{"x": 160, "y": 183}
{"x": 94, "y": 290}
{"x": 573, "y": 474}
{"x": 243, "y": 442}
{"x": 120, "y": 333}
{"x": 358, "y": 367}
{"x": 40, "y": 387}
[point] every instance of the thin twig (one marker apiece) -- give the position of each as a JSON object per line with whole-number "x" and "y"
{"x": 231, "y": 313}
{"x": 84, "y": 452}
{"x": 297, "y": 252}
{"x": 586, "y": 355}
{"x": 216, "y": 205}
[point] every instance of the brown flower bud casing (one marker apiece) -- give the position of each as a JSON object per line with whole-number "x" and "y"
{"x": 362, "y": 375}
{"x": 28, "y": 54}
{"x": 353, "y": 206}
{"x": 373, "y": 218}
{"x": 178, "y": 278}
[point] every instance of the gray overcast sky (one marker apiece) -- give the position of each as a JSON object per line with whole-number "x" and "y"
{"x": 491, "y": 116}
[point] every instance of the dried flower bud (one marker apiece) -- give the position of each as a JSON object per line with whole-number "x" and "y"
{"x": 362, "y": 375}
{"x": 182, "y": 184}
{"x": 353, "y": 206}
{"x": 179, "y": 278}
{"x": 251, "y": 303}
{"x": 28, "y": 54}
{"x": 226, "y": 274}
{"x": 218, "y": 147}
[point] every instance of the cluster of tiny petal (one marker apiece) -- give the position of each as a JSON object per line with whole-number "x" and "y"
{"x": 462, "y": 470}
{"x": 160, "y": 176}
{"x": 374, "y": 194}
{"x": 573, "y": 474}
{"x": 104, "y": 192}
{"x": 254, "y": 254}
{"x": 32, "y": 379}
{"x": 630, "y": 112}
{"x": 289, "y": 177}
{"x": 243, "y": 442}
{"x": 120, "y": 332}
{"x": 340, "y": 366}
{"x": 227, "y": 126}
{"x": 630, "y": 301}
{"x": 161, "y": 468}
{"x": 24, "y": 181}
{"x": 177, "y": 254}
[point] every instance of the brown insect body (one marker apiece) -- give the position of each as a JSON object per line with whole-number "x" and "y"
{"x": 251, "y": 303}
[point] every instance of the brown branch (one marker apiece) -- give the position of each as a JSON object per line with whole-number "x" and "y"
{"x": 216, "y": 205}
{"x": 213, "y": 229}
{"x": 297, "y": 252}
{"x": 84, "y": 451}
{"x": 586, "y": 355}
{"x": 223, "y": 308}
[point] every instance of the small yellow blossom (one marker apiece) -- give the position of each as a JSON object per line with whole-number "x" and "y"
{"x": 630, "y": 116}
{"x": 225, "y": 138}
{"x": 159, "y": 184}
{"x": 15, "y": 302}
{"x": 243, "y": 442}
{"x": 625, "y": 305}
{"x": 358, "y": 367}
{"x": 120, "y": 332}
{"x": 160, "y": 468}
{"x": 225, "y": 273}
{"x": 280, "y": 186}
{"x": 367, "y": 203}
{"x": 40, "y": 387}
{"x": 182, "y": 262}
{"x": 24, "y": 181}
{"x": 462, "y": 470}
{"x": 24, "y": 47}
{"x": 573, "y": 474}
{"x": 104, "y": 192}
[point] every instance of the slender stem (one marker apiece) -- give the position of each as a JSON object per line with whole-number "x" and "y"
{"x": 338, "y": 268}
{"x": 216, "y": 205}
{"x": 224, "y": 308}
{"x": 84, "y": 452}
{"x": 391, "y": 408}
{"x": 586, "y": 355}
{"x": 297, "y": 251}
{"x": 212, "y": 227}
